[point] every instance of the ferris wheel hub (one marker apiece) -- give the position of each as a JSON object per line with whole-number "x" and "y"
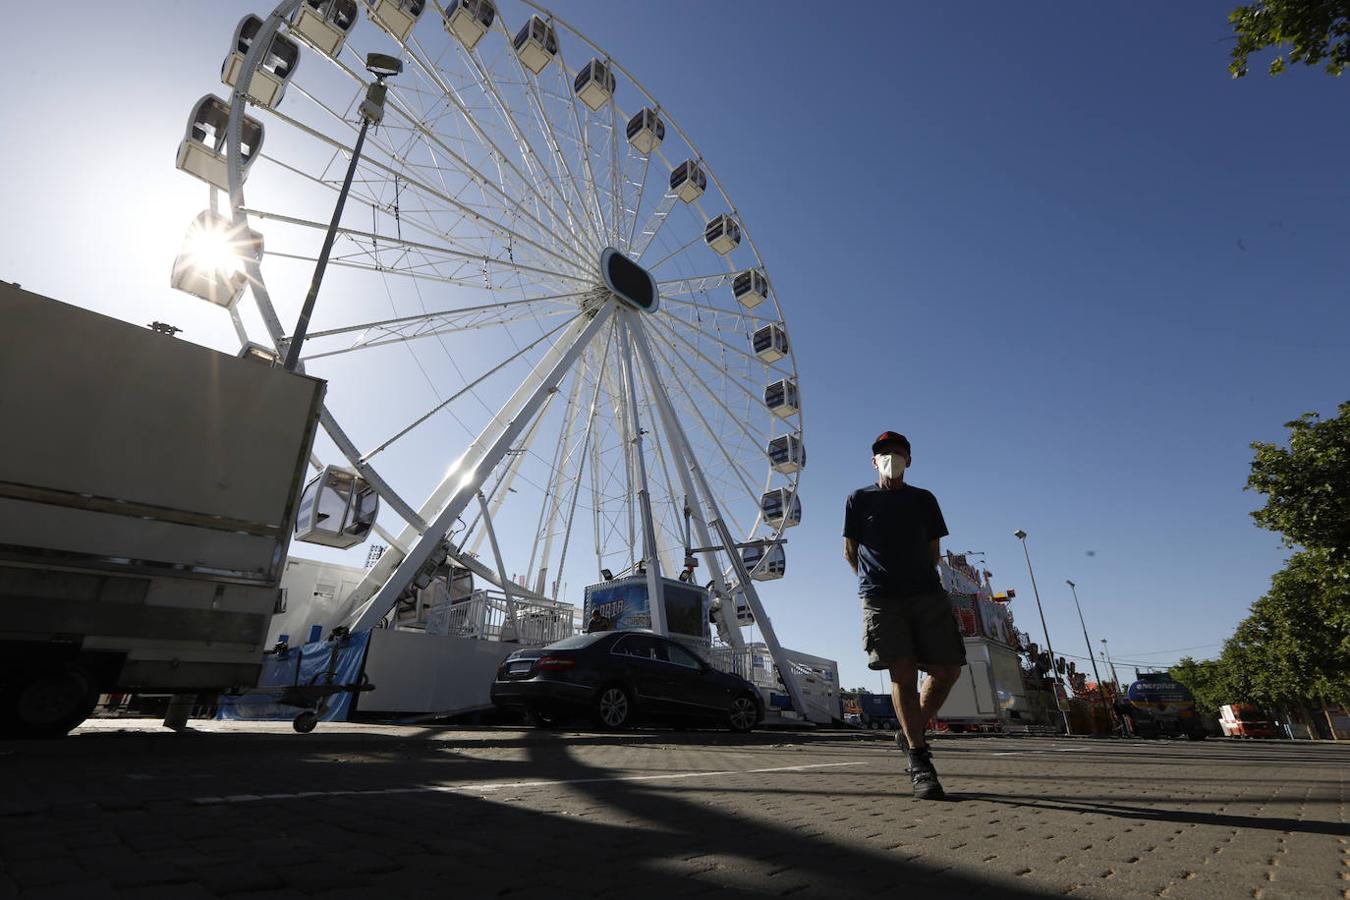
{"x": 628, "y": 281}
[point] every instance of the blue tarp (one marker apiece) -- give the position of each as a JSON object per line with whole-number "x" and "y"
{"x": 298, "y": 666}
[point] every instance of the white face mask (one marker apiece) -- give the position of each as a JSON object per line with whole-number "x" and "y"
{"x": 890, "y": 465}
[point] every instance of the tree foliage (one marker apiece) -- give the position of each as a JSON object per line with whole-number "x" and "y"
{"x": 1315, "y": 31}
{"x": 1307, "y": 484}
{"x": 1293, "y": 649}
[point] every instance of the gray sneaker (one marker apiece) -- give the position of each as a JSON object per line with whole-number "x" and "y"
{"x": 924, "y": 776}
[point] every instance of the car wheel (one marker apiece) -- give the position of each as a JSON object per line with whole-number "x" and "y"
{"x": 743, "y": 715}
{"x": 543, "y": 717}
{"x": 613, "y": 707}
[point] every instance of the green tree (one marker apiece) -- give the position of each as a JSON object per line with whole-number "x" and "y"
{"x": 1315, "y": 31}
{"x": 1203, "y": 679}
{"x": 1293, "y": 649}
{"x": 1307, "y": 486}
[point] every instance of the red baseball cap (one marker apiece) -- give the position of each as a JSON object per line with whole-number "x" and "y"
{"x": 890, "y": 437}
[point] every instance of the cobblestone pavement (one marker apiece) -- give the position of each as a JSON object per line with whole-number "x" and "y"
{"x": 125, "y": 809}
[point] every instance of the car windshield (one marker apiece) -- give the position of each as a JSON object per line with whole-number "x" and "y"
{"x": 576, "y": 642}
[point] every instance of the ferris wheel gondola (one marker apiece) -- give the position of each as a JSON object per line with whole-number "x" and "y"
{"x": 544, "y": 318}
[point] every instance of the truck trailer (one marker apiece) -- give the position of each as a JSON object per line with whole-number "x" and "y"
{"x": 148, "y": 491}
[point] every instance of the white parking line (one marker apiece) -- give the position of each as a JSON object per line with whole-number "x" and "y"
{"x": 1026, "y": 752}
{"x": 488, "y": 787}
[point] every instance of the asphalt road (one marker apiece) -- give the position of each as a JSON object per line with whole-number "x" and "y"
{"x": 126, "y": 809}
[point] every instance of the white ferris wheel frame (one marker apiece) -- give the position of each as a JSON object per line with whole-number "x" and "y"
{"x": 427, "y": 526}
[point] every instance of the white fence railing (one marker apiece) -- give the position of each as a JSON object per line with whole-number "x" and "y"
{"x": 489, "y": 616}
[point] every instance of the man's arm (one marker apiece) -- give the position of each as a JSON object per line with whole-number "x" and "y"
{"x": 935, "y": 550}
{"x": 850, "y": 535}
{"x": 851, "y": 553}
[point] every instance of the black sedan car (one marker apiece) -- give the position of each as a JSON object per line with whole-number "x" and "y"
{"x": 620, "y": 677}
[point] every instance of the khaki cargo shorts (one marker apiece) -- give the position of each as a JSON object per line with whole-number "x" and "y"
{"x": 920, "y": 627}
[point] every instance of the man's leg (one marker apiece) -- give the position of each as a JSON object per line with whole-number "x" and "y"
{"x": 939, "y": 683}
{"x": 905, "y": 696}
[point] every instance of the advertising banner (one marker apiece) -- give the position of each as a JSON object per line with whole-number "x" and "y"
{"x": 624, "y": 602}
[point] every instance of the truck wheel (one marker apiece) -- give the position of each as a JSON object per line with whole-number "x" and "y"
{"x": 48, "y": 701}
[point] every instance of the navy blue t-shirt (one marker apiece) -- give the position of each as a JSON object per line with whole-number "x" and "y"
{"x": 893, "y": 530}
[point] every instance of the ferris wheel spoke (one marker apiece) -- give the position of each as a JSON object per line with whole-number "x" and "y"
{"x": 695, "y": 284}
{"x": 500, "y": 106}
{"x": 475, "y": 282}
{"x": 661, "y": 455}
{"x": 549, "y": 501}
{"x": 553, "y": 522}
{"x": 673, "y": 332}
{"x": 503, "y": 487}
{"x": 718, "y": 310}
{"x": 467, "y": 389}
{"x": 444, "y": 316}
{"x": 568, "y": 237}
{"x": 431, "y": 72}
{"x": 724, "y": 343}
{"x": 616, "y": 177}
{"x": 395, "y": 240}
{"x": 475, "y": 215}
{"x": 586, "y": 444}
{"x": 374, "y": 342}
{"x": 418, "y": 54}
{"x": 565, "y": 171}
{"x": 637, "y": 203}
{"x": 697, "y": 238}
{"x": 618, "y": 404}
{"x": 584, "y": 147}
{"x": 713, "y": 434}
{"x": 678, "y": 436}
{"x": 652, "y": 226}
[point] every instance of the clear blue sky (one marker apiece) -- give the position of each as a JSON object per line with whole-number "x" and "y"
{"x": 1056, "y": 245}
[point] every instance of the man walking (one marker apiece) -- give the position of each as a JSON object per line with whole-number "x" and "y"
{"x": 892, "y": 532}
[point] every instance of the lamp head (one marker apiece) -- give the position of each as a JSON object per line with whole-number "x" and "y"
{"x": 382, "y": 65}
{"x": 1020, "y": 534}
{"x": 1070, "y": 583}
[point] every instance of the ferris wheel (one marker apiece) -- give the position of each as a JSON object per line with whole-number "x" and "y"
{"x": 551, "y": 344}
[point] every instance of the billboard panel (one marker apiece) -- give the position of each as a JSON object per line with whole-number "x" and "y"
{"x": 625, "y": 603}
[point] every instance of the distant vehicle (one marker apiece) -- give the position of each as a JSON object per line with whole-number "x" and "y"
{"x": 1245, "y": 720}
{"x": 620, "y": 677}
{"x": 1158, "y": 706}
{"x": 877, "y": 711}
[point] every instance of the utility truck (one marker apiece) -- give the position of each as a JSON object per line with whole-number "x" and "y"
{"x": 148, "y": 491}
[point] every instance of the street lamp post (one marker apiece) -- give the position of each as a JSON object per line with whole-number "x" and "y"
{"x": 372, "y": 112}
{"x": 1114, "y": 677}
{"x": 1124, "y": 720}
{"x": 1101, "y": 694}
{"x": 1054, "y": 670}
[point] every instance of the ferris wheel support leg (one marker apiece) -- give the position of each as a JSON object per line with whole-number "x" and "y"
{"x": 509, "y": 626}
{"x": 655, "y": 587}
{"x": 469, "y": 474}
{"x": 678, "y": 438}
{"x": 727, "y": 627}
